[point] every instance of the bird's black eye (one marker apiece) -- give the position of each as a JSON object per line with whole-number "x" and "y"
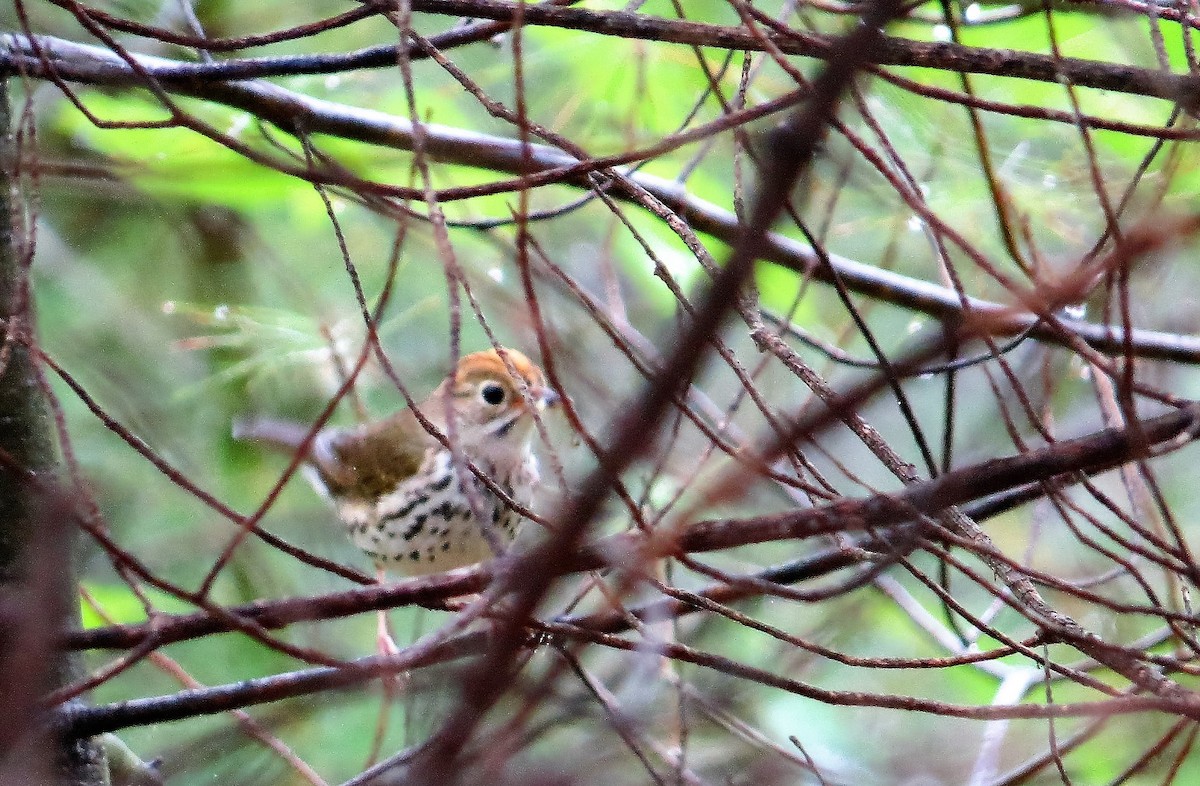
{"x": 492, "y": 393}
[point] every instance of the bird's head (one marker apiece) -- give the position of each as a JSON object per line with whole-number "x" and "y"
{"x": 493, "y": 407}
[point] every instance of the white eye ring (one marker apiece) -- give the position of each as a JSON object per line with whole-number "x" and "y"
{"x": 492, "y": 394}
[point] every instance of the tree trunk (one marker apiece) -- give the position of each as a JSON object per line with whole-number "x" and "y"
{"x": 37, "y": 578}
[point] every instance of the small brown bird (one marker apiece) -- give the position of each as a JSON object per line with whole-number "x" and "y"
{"x": 394, "y": 485}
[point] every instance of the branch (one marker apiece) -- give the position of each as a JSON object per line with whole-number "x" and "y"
{"x": 295, "y": 112}
{"x": 893, "y": 51}
{"x": 1087, "y": 454}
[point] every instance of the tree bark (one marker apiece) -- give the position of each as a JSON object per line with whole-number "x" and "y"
{"x": 37, "y": 577}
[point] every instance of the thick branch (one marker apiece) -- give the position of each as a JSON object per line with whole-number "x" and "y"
{"x": 294, "y": 111}
{"x": 1087, "y": 454}
{"x": 893, "y": 51}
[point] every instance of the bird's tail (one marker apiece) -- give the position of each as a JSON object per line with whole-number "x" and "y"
{"x": 279, "y": 434}
{"x": 320, "y": 464}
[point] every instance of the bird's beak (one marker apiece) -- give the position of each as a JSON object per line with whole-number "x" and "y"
{"x": 546, "y": 398}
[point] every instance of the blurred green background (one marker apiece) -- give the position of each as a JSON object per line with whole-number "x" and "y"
{"x": 183, "y": 286}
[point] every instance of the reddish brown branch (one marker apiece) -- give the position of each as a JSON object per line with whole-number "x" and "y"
{"x": 1090, "y": 453}
{"x": 893, "y": 51}
{"x": 287, "y": 109}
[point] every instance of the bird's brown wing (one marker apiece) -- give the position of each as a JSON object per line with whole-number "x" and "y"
{"x": 371, "y": 459}
{"x": 362, "y": 462}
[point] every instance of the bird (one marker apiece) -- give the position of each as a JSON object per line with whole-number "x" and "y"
{"x": 394, "y": 485}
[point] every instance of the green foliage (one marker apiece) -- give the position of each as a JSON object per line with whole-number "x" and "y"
{"x": 117, "y": 604}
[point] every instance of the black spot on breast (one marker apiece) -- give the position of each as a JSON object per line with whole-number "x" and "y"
{"x": 497, "y": 512}
{"x": 445, "y": 511}
{"x": 417, "y": 525}
{"x": 442, "y": 484}
{"x": 445, "y": 545}
{"x": 414, "y": 555}
{"x": 409, "y": 508}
